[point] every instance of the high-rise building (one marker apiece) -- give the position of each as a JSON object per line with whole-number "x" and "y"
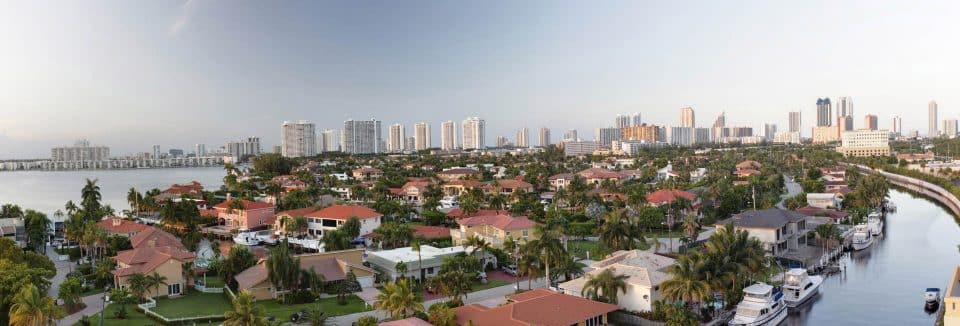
{"x": 794, "y": 122}
{"x": 156, "y": 151}
{"x": 421, "y": 136}
{"x": 410, "y": 143}
{"x": 448, "y": 136}
{"x": 865, "y": 143}
{"x": 845, "y": 123}
{"x": 361, "y": 137}
{"x": 544, "y": 137}
{"x": 200, "y": 150}
{"x": 644, "y": 133}
{"x": 680, "y": 136}
{"x": 328, "y": 141}
{"x": 623, "y": 120}
{"x": 932, "y": 119}
{"x": 950, "y": 128}
{"x": 769, "y": 131}
{"x": 298, "y": 139}
{"x": 571, "y": 135}
{"x": 244, "y": 148}
{"x": 702, "y": 136}
{"x": 395, "y": 138}
{"x": 844, "y": 106}
{"x": 606, "y": 136}
{"x": 870, "y": 122}
{"x": 502, "y": 141}
{"x": 824, "y": 134}
{"x": 721, "y": 120}
{"x": 824, "y": 112}
{"x": 687, "y": 119}
{"x": 897, "y": 125}
{"x": 523, "y": 137}
{"x": 635, "y": 120}
{"x": 474, "y": 133}
{"x": 80, "y": 151}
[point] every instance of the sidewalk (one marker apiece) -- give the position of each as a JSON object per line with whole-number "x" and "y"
{"x": 94, "y": 304}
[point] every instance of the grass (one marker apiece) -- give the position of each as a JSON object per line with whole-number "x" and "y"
{"x": 579, "y": 247}
{"x": 330, "y": 306}
{"x": 193, "y": 304}
{"x": 213, "y": 281}
{"x": 91, "y": 291}
{"x": 490, "y": 284}
{"x": 134, "y": 317}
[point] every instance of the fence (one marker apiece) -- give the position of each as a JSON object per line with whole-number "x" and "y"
{"x": 151, "y": 303}
{"x": 624, "y": 318}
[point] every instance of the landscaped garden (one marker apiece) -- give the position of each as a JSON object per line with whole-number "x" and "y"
{"x": 329, "y": 305}
{"x": 194, "y": 304}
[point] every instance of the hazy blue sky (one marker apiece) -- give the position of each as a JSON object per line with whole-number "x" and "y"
{"x": 130, "y": 74}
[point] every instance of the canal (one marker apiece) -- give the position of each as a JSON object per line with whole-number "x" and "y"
{"x": 884, "y": 284}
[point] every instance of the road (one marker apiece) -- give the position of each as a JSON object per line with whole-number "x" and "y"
{"x": 793, "y": 189}
{"x": 63, "y": 268}
{"x": 94, "y": 305}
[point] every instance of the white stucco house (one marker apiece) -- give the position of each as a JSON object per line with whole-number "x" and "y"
{"x": 645, "y": 272}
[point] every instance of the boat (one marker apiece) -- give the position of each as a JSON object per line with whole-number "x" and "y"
{"x": 798, "y": 286}
{"x": 246, "y": 238}
{"x": 861, "y": 237}
{"x": 265, "y": 236}
{"x": 875, "y": 223}
{"x": 931, "y": 298}
{"x": 762, "y": 304}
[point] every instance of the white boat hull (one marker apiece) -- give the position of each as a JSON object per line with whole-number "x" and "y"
{"x": 862, "y": 244}
{"x": 804, "y": 296}
{"x": 769, "y": 320}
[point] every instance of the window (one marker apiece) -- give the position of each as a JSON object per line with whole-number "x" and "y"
{"x": 526, "y": 233}
{"x": 173, "y": 288}
{"x": 430, "y": 270}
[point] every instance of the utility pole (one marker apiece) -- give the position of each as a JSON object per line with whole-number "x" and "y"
{"x": 753, "y": 190}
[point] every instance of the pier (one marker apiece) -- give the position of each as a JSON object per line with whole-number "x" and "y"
{"x": 111, "y": 164}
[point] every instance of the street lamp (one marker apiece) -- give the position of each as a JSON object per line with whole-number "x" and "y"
{"x": 103, "y": 303}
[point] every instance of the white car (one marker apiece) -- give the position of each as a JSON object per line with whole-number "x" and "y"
{"x": 510, "y": 269}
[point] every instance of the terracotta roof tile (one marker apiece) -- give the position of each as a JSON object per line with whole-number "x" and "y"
{"x": 502, "y": 222}
{"x": 666, "y": 196}
{"x": 535, "y": 307}
{"x": 246, "y": 204}
{"x": 344, "y": 212}
{"x": 117, "y": 225}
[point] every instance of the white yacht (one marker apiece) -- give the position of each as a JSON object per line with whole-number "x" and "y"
{"x": 798, "y": 287}
{"x": 861, "y": 237}
{"x": 450, "y": 202}
{"x": 931, "y": 298}
{"x": 875, "y": 223}
{"x": 265, "y": 236}
{"x": 762, "y": 304}
{"x": 246, "y": 238}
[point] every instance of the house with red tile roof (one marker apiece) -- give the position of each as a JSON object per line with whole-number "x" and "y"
{"x": 332, "y": 217}
{"x": 495, "y": 229}
{"x": 560, "y": 181}
{"x": 253, "y": 215}
{"x": 413, "y": 192}
{"x": 412, "y": 321}
{"x": 458, "y": 187}
{"x": 507, "y": 187}
{"x": 115, "y": 225}
{"x": 665, "y": 197}
{"x": 367, "y": 173}
{"x": 334, "y": 267}
{"x": 154, "y": 251}
{"x": 746, "y": 173}
{"x": 749, "y": 164}
{"x": 457, "y": 213}
{"x": 176, "y": 191}
{"x": 540, "y": 307}
{"x": 458, "y": 173}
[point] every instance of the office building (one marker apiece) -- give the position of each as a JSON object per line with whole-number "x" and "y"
{"x": 571, "y": 135}
{"x": 824, "y": 134}
{"x": 794, "y": 123}
{"x": 687, "y": 119}
{"x": 932, "y": 119}
{"x": 361, "y": 137}
{"x": 523, "y": 137}
{"x": 298, "y": 139}
{"x": 622, "y": 121}
{"x": 502, "y": 141}
{"x": 645, "y": 133}
{"x": 769, "y": 131}
{"x": 200, "y": 150}
{"x": 950, "y": 128}
{"x": 544, "y": 137}
{"x": 328, "y": 141}
{"x": 844, "y": 106}
{"x": 395, "y": 138}
{"x": 870, "y": 122}
{"x": 421, "y": 136}
{"x": 864, "y": 143}
{"x": 790, "y": 137}
{"x": 606, "y": 136}
{"x": 721, "y": 120}
{"x": 474, "y": 133}
{"x": 824, "y": 112}
{"x": 80, "y": 151}
{"x": 246, "y": 148}
{"x": 680, "y": 136}
{"x": 897, "y": 125}
{"x": 448, "y": 136}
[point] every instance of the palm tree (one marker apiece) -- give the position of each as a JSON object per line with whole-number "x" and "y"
{"x": 30, "y": 308}
{"x": 398, "y": 300}
{"x": 367, "y": 321}
{"x": 139, "y": 285}
{"x": 547, "y": 248}
{"x": 245, "y": 312}
{"x": 316, "y": 315}
{"x": 687, "y": 283}
{"x": 90, "y": 200}
{"x": 283, "y": 269}
{"x": 690, "y": 227}
{"x": 415, "y": 246}
{"x": 154, "y": 281}
{"x": 134, "y": 198}
{"x": 605, "y": 286}
{"x": 442, "y": 315}
{"x": 479, "y": 244}
{"x": 617, "y": 233}
{"x": 334, "y": 240}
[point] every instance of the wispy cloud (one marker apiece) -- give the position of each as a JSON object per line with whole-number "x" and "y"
{"x": 183, "y": 18}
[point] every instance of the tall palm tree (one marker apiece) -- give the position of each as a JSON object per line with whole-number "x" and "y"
{"x": 398, "y": 300}
{"x": 690, "y": 227}
{"x": 687, "y": 283}
{"x": 155, "y": 280}
{"x": 31, "y": 308}
{"x": 547, "y": 247}
{"x": 245, "y": 312}
{"x": 90, "y": 199}
{"x": 605, "y": 286}
{"x": 134, "y": 198}
{"x": 617, "y": 232}
{"x": 478, "y": 244}
{"x": 283, "y": 269}
{"x": 139, "y": 285}
{"x": 415, "y": 246}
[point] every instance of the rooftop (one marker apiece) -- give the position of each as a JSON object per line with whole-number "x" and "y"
{"x": 502, "y": 222}
{"x": 771, "y": 218}
{"x": 534, "y": 307}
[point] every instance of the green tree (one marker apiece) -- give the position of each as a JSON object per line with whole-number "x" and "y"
{"x": 335, "y": 240}
{"x": 37, "y": 227}
{"x": 271, "y": 164}
{"x": 139, "y": 285}
{"x": 477, "y": 243}
{"x": 70, "y": 291}
{"x": 687, "y": 283}
{"x": 398, "y": 300}
{"x": 156, "y": 280}
{"x": 367, "y": 321}
{"x": 283, "y": 270}
{"x": 316, "y": 316}
{"x": 442, "y": 315}
{"x": 31, "y": 308}
{"x": 238, "y": 260}
{"x": 605, "y": 286}
{"x": 245, "y": 312}
{"x": 351, "y": 227}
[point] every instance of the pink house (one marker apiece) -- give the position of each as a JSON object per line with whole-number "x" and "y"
{"x": 254, "y": 215}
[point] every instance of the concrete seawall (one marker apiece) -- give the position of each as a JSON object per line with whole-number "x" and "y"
{"x": 928, "y": 189}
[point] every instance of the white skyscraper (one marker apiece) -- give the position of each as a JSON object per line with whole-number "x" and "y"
{"x": 361, "y": 137}
{"x": 622, "y": 121}
{"x": 844, "y": 106}
{"x": 200, "y": 150}
{"x": 897, "y": 125}
{"x": 328, "y": 141}
{"x": 687, "y": 119}
{"x": 571, "y": 135}
{"x": 635, "y": 120}
{"x": 794, "y": 123}
{"x": 448, "y": 136}
{"x": 156, "y": 151}
{"x": 523, "y": 137}
{"x": 544, "y": 137}
{"x": 395, "y": 138}
{"x": 474, "y": 132}
{"x": 950, "y": 128}
{"x": 932, "y": 119}
{"x": 421, "y": 136}
{"x": 298, "y": 139}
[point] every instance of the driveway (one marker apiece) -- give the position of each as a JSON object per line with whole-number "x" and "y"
{"x": 793, "y": 189}
{"x": 94, "y": 305}
{"x": 63, "y": 268}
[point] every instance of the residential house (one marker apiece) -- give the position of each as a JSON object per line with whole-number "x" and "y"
{"x": 459, "y": 187}
{"x": 749, "y": 164}
{"x": 332, "y": 217}
{"x": 746, "y": 173}
{"x": 13, "y": 229}
{"x": 115, "y": 225}
{"x": 253, "y": 215}
{"x": 367, "y": 173}
{"x": 413, "y": 192}
{"x": 665, "y": 197}
{"x": 832, "y": 186}
{"x": 644, "y": 272}
{"x": 835, "y": 216}
{"x": 430, "y": 232}
{"x": 596, "y": 176}
{"x": 420, "y": 265}
{"x": 457, "y": 213}
{"x": 951, "y": 300}
{"x": 154, "y": 251}
{"x": 495, "y": 229}
{"x": 507, "y": 187}
{"x": 539, "y": 307}
{"x": 666, "y": 173}
{"x": 334, "y": 267}
{"x": 177, "y": 191}
{"x": 412, "y": 321}
{"x": 560, "y": 181}
{"x": 458, "y": 174}
{"x": 825, "y": 200}
{"x": 778, "y": 230}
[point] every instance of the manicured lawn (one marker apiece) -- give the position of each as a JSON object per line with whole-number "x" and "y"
{"x": 213, "y": 281}
{"x": 490, "y": 284}
{"x": 579, "y": 248}
{"x": 193, "y": 304}
{"x": 134, "y": 317}
{"x": 330, "y": 306}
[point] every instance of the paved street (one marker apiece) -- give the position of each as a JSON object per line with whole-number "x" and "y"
{"x": 94, "y": 304}
{"x": 63, "y": 267}
{"x": 793, "y": 189}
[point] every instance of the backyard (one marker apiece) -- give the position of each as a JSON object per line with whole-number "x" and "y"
{"x": 329, "y": 305}
{"x": 195, "y": 304}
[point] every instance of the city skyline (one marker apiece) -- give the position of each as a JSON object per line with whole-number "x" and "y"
{"x": 207, "y": 70}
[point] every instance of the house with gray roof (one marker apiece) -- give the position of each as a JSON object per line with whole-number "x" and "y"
{"x": 777, "y": 229}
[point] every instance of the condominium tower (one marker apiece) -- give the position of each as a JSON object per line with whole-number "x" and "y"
{"x": 932, "y": 119}
{"x": 544, "y": 137}
{"x": 395, "y": 138}
{"x": 523, "y": 137}
{"x": 80, "y": 151}
{"x": 361, "y": 137}
{"x": 474, "y": 133}
{"x": 298, "y": 139}
{"x": 328, "y": 141}
{"x": 421, "y": 136}
{"x": 794, "y": 125}
{"x": 824, "y": 112}
{"x": 448, "y": 136}
{"x": 687, "y": 119}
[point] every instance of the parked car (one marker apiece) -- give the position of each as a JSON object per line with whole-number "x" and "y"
{"x": 510, "y": 269}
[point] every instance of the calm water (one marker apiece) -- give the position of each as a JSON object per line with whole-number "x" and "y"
{"x": 884, "y": 284}
{"x": 48, "y": 191}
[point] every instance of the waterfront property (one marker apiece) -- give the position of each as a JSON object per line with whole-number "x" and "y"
{"x": 951, "y": 300}
{"x": 495, "y": 229}
{"x": 644, "y": 271}
{"x": 252, "y": 215}
{"x": 334, "y": 267}
{"x": 778, "y": 230}
{"x": 825, "y": 200}
{"x": 458, "y": 174}
{"x": 420, "y": 265}
{"x": 332, "y": 217}
{"x": 13, "y": 229}
{"x": 154, "y": 250}
{"x": 537, "y": 307}
{"x": 115, "y": 225}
